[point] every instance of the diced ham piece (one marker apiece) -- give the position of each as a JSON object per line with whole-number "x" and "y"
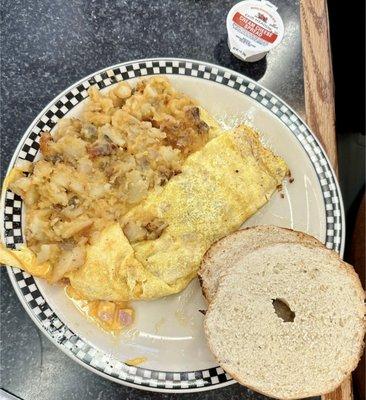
{"x": 125, "y": 317}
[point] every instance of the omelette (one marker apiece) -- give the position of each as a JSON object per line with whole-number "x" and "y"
{"x": 219, "y": 187}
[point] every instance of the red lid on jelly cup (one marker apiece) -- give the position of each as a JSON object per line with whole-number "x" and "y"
{"x": 254, "y": 28}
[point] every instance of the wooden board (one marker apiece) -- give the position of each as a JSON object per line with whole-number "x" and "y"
{"x": 319, "y": 101}
{"x": 318, "y": 74}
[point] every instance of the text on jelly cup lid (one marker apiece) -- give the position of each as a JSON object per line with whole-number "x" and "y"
{"x": 254, "y": 27}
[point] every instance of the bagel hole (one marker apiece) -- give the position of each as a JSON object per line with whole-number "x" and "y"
{"x": 283, "y": 310}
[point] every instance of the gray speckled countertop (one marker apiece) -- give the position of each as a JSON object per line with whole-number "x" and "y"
{"x": 48, "y": 45}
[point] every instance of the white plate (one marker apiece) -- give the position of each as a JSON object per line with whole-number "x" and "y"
{"x": 168, "y": 331}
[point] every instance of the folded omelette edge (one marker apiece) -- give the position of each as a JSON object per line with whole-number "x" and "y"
{"x": 220, "y": 186}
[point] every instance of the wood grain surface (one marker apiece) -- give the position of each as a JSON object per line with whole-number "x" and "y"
{"x": 319, "y": 101}
{"x": 318, "y": 74}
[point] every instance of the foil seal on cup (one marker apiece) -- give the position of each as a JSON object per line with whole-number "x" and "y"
{"x": 254, "y": 28}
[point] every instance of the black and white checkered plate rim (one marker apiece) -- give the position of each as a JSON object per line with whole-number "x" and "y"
{"x": 25, "y": 286}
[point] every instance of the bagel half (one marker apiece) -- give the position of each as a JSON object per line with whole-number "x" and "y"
{"x": 264, "y": 350}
